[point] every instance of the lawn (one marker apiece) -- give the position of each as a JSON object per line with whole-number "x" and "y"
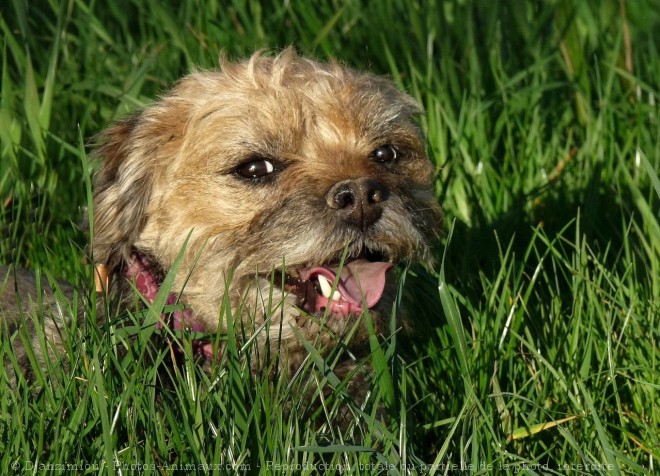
{"x": 536, "y": 340}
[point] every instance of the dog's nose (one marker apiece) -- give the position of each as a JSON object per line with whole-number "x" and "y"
{"x": 358, "y": 202}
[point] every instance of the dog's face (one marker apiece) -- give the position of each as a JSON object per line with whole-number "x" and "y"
{"x": 275, "y": 168}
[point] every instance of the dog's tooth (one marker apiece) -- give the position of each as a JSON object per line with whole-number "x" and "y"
{"x": 326, "y": 287}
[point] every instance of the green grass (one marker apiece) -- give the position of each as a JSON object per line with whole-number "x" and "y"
{"x": 538, "y": 335}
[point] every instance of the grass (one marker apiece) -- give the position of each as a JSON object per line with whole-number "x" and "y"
{"x": 538, "y": 349}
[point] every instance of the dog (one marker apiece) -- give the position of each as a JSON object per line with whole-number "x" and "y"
{"x": 285, "y": 188}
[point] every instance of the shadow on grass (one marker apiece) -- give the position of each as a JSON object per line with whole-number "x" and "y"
{"x": 598, "y": 216}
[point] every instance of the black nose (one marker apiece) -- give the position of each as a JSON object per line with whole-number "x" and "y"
{"x": 358, "y": 202}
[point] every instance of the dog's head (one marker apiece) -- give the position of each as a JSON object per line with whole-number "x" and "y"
{"x": 275, "y": 168}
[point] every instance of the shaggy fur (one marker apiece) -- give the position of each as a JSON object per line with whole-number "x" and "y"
{"x": 349, "y": 174}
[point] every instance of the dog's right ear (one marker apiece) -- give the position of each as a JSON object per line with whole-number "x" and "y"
{"x": 122, "y": 187}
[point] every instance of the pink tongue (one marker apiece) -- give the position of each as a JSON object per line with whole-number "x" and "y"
{"x": 359, "y": 278}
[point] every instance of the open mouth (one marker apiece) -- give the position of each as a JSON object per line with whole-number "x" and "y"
{"x": 339, "y": 290}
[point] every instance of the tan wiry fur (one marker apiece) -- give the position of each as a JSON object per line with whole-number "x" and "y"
{"x": 169, "y": 172}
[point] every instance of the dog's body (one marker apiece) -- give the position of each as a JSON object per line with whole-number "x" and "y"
{"x": 266, "y": 173}
{"x": 21, "y": 294}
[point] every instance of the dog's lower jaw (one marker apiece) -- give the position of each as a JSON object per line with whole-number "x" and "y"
{"x": 279, "y": 323}
{"x": 272, "y": 320}
{"x": 285, "y": 333}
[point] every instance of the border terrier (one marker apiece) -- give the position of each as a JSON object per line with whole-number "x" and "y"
{"x": 288, "y": 188}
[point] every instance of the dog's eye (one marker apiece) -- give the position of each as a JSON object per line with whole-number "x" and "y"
{"x": 385, "y": 153}
{"x": 256, "y": 169}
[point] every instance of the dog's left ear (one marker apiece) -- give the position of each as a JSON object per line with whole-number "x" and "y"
{"x": 122, "y": 187}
